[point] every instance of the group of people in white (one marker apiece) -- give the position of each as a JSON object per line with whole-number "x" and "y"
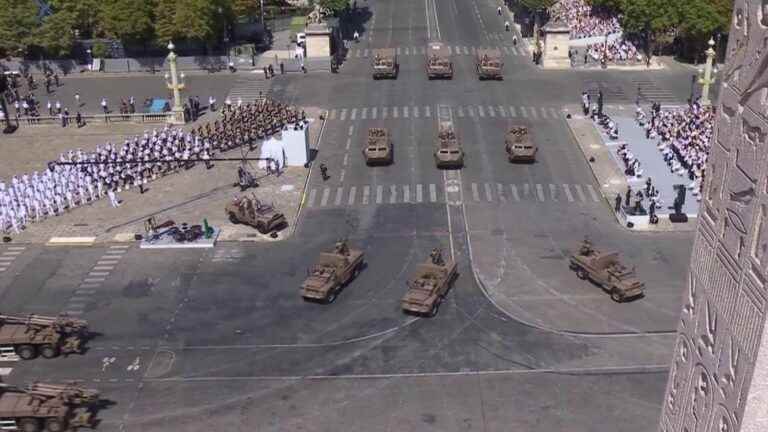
{"x": 583, "y": 20}
{"x": 588, "y": 22}
{"x": 618, "y": 50}
{"x": 106, "y": 171}
{"x": 684, "y": 137}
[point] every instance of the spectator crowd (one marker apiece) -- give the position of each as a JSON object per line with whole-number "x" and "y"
{"x": 618, "y": 50}
{"x": 584, "y": 20}
{"x": 684, "y": 137}
{"x": 81, "y": 177}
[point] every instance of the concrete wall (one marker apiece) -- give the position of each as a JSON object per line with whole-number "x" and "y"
{"x": 719, "y": 374}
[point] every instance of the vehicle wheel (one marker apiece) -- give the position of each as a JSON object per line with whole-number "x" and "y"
{"x": 27, "y": 352}
{"x": 358, "y": 268}
{"x": 233, "y": 219}
{"x": 260, "y": 227}
{"x": 331, "y": 297}
{"x": 616, "y": 296}
{"x": 29, "y": 424}
{"x": 581, "y": 274}
{"x": 49, "y": 351}
{"x": 435, "y": 308}
{"x": 54, "y": 425}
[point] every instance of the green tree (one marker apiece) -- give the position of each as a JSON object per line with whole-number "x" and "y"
{"x": 55, "y": 35}
{"x": 18, "y": 21}
{"x": 537, "y": 6}
{"x": 128, "y": 20}
{"x": 87, "y": 15}
{"x": 657, "y": 20}
{"x": 335, "y": 6}
{"x": 245, "y": 8}
{"x": 165, "y": 21}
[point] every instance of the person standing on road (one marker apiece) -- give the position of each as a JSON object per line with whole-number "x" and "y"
{"x": 498, "y": 10}
{"x": 506, "y": 25}
{"x": 77, "y": 99}
{"x": 104, "y": 105}
{"x": 211, "y": 103}
{"x": 113, "y": 201}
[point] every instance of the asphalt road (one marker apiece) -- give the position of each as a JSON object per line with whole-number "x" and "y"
{"x": 220, "y": 340}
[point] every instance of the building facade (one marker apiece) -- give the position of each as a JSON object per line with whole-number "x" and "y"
{"x": 718, "y": 379}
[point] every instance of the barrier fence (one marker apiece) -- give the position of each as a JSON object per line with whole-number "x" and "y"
{"x": 96, "y": 118}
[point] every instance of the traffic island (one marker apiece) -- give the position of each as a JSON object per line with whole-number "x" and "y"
{"x": 610, "y": 177}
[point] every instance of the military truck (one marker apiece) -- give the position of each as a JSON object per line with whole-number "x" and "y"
{"x": 250, "y": 211}
{"x": 378, "y": 147}
{"x": 439, "y": 63}
{"x": 430, "y": 284}
{"x": 605, "y": 270}
{"x": 448, "y": 150}
{"x": 489, "y": 64}
{"x": 385, "y": 63}
{"x": 30, "y": 335}
{"x": 332, "y": 272}
{"x": 54, "y": 407}
{"x": 519, "y": 146}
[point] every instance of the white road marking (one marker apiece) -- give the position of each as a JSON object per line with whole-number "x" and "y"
{"x": 500, "y": 192}
{"x": 553, "y": 192}
{"x": 512, "y": 112}
{"x": 379, "y": 194}
{"x": 366, "y": 194}
{"x": 568, "y": 193}
{"x": 419, "y": 188}
{"x": 515, "y": 195}
{"x": 406, "y": 193}
{"x": 312, "y": 196}
{"x": 432, "y": 192}
{"x": 580, "y": 193}
{"x": 352, "y": 193}
{"x": 337, "y": 200}
{"x": 324, "y": 199}
{"x": 540, "y": 192}
{"x": 392, "y": 194}
{"x": 488, "y": 195}
{"x": 475, "y": 192}
{"x": 592, "y": 192}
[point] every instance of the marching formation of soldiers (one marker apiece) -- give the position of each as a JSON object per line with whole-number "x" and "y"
{"x": 82, "y": 177}
{"x": 246, "y": 123}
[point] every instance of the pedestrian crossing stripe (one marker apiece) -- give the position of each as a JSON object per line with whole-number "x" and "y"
{"x": 480, "y": 192}
{"x": 458, "y": 50}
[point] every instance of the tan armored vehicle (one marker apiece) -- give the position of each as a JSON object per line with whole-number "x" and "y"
{"x": 49, "y": 407}
{"x": 430, "y": 284}
{"x": 448, "y": 151}
{"x": 378, "y": 147}
{"x": 605, "y": 270}
{"x": 489, "y": 64}
{"x": 439, "y": 63}
{"x": 385, "y": 63}
{"x": 30, "y": 335}
{"x": 519, "y": 146}
{"x": 331, "y": 272}
{"x": 251, "y": 211}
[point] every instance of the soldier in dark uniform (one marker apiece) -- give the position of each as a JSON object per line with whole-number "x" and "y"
{"x": 436, "y": 256}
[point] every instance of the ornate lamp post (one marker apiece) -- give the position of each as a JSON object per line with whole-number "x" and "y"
{"x": 708, "y": 74}
{"x": 175, "y": 86}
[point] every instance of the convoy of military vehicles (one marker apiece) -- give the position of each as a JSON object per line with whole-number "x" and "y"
{"x": 606, "y": 271}
{"x": 448, "y": 151}
{"x": 489, "y": 64}
{"x": 49, "y": 407}
{"x": 518, "y": 145}
{"x": 438, "y": 62}
{"x": 30, "y": 335}
{"x": 332, "y": 271}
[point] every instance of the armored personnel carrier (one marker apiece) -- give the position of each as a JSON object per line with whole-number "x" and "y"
{"x": 605, "y": 270}
{"x": 30, "y": 335}
{"x": 385, "y": 63}
{"x": 430, "y": 284}
{"x": 448, "y": 151}
{"x": 52, "y": 407}
{"x": 439, "y": 64}
{"x": 331, "y": 272}
{"x": 251, "y": 211}
{"x": 519, "y": 146}
{"x": 489, "y": 64}
{"x": 378, "y": 147}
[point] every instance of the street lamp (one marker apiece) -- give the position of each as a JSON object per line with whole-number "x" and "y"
{"x": 176, "y": 86}
{"x": 708, "y": 74}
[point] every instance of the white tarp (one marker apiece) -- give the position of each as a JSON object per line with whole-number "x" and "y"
{"x": 289, "y": 147}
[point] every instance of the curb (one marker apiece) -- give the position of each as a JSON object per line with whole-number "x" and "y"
{"x": 71, "y": 241}
{"x": 309, "y": 174}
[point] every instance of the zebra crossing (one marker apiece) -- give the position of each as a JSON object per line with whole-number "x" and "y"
{"x": 84, "y": 293}
{"x": 9, "y": 255}
{"x": 427, "y": 111}
{"x": 249, "y": 89}
{"x": 649, "y": 91}
{"x": 458, "y": 50}
{"x": 362, "y": 195}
